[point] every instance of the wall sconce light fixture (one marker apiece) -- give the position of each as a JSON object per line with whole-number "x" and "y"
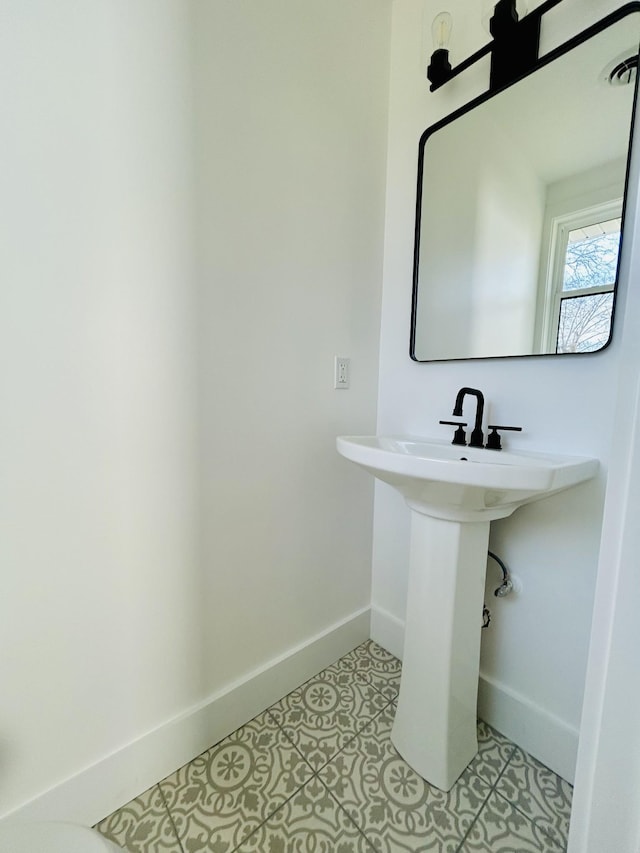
{"x": 439, "y": 70}
{"x": 514, "y": 47}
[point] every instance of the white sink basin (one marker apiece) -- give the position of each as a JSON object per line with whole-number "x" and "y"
{"x": 463, "y": 483}
{"x": 454, "y": 492}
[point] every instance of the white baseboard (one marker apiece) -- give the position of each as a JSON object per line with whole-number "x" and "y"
{"x": 539, "y": 732}
{"x": 100, "y": 789}
{"x": 387, "y": 631}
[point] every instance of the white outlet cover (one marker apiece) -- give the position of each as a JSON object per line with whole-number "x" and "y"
{"x": 341, "y": 372}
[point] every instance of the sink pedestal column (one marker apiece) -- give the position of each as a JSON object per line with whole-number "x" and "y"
{"x": 435, "y": 723}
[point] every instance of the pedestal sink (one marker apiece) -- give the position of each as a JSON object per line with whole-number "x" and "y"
{"x": 454, "y": 492}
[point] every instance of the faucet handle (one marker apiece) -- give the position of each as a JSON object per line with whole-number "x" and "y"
{"x": 494, "y": 440}
{"x": 459, "y": 436}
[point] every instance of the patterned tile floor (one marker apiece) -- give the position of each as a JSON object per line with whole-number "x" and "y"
{"x": 317, "y": 773}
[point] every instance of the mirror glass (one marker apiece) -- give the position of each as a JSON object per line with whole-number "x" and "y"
{"x": 521, "y": 208}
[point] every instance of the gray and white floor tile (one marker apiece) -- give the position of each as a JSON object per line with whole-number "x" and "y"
{"x": 317, "y": 773}
{"x": 370, "y": 662}
{"x": 226, "y": 793}
{"x": 393, "y": 806}
{"x": 309, "y": 822}
{"x": 501, "y": 828}
{"x": 142, "y": 826}
{"x": 539, "y": 794}
{"x": 494, "y": 752}
{"x": 323, "y": 715}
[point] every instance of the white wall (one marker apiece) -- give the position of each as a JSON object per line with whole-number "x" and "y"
{"x": 98, "y": 486}
{"x": 605, "y": 814}
{"x": 174, "y": 514}
{"x": 510, "y": 213}
{"x": 291, "y": 156}
{"x": 534, "y": 655}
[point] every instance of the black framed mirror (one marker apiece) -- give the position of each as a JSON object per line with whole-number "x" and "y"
{"x": 520, "y": 206}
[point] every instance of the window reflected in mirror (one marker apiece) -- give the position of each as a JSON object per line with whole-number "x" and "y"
{"x": 586, "y": 289}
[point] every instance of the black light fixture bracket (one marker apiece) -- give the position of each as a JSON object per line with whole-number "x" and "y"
{"x": 514, "y": 47}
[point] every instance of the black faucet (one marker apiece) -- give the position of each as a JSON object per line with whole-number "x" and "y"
{"x": 477, "y": 438}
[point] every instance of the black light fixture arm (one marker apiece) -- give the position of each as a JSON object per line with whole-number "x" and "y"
{"x": 457, "y": 69}
{"x": 514, "y": 47}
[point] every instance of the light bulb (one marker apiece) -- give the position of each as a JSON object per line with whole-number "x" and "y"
{"x": 441, "y": 31}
